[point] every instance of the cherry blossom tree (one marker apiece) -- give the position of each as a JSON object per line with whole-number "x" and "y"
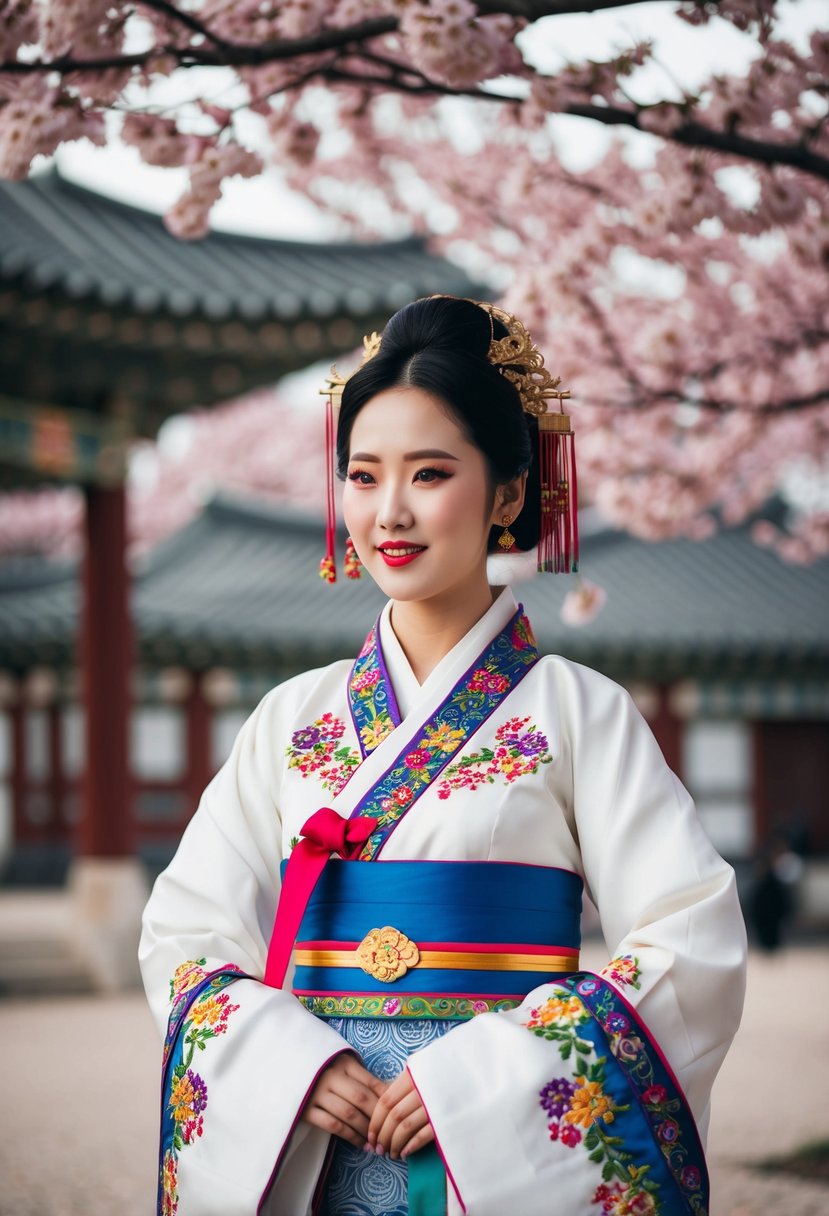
{"x": 678, "y": 284}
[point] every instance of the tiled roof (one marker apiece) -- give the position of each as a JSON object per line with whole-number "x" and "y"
{"x": 100, "y": 304}
{"x": 239, "y": 587}
{"x": 58, "y": 236}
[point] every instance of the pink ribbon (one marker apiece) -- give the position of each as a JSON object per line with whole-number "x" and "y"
{"x": 324, "y": 833}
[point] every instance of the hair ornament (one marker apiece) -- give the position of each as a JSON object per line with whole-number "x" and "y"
{"x": 335, "y": 383}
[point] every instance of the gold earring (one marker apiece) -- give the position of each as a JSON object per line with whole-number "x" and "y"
{"x": 506, "y": 540}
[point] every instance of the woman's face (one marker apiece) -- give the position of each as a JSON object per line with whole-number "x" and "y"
{"x": 417, "y": 500}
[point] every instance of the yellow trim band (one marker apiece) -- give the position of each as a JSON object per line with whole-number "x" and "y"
{"x": 449, "y": 960}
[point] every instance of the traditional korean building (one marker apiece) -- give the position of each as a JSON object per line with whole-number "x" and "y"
{"x": 108, "y": 325}
{"x": 725, "y": 649}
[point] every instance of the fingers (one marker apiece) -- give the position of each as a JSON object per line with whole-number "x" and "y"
{"x": 337, "y": 1115}
{"x": 403, "y": 1122}
{"x": 343, "y": 1100}
{"x": 400, "y": 1125}
{"x": 357, "y": 1072}
{"x": 398, "y": 1089}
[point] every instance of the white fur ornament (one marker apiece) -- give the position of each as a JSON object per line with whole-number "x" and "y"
{"x": 502, "y": 569}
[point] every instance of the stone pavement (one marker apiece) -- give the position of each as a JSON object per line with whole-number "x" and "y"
{"x": 79, "y": 1083}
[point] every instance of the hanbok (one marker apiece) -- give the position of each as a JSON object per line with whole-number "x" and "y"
{"x": 431, "y": 843}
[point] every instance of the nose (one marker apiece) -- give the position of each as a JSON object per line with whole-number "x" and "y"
{"x": 394, "y": 513}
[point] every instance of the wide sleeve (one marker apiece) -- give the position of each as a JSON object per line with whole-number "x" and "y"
{"x": 240, "y": 1058}
{"x": 595, "y": 1090}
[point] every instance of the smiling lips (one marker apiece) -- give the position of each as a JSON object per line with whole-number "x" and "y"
{"x": 400, "y": 555}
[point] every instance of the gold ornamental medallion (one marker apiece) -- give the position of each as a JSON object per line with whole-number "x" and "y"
{"x": 387, "y": 954}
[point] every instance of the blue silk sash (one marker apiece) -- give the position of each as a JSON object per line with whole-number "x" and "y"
{"x": 454, "y": 904}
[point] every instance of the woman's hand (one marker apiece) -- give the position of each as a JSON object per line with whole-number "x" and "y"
{"x": 400, "y": 1125}
{"x": 343, "y": 1100}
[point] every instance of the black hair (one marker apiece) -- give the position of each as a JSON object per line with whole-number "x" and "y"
{"x": 440, "y": 345}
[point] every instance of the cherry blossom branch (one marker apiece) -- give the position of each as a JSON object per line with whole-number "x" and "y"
{"x": 656, "y": 398}
{"x": 186, "y": 19}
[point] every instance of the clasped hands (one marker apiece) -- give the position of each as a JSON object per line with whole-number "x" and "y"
{"x": 350, "y": 1102}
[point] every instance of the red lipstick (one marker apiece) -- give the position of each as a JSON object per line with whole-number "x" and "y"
{"x": 400, "y": 555}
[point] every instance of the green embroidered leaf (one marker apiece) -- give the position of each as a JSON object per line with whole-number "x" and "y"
{"x": 200, "y": 1044}
{"x": 583, "y": 1047}
{"x": 592, "y": 1138}
{"x": 564, "y": 1051}
{"x": 607, "y": 1171}
{"x": 598, "y": 1154}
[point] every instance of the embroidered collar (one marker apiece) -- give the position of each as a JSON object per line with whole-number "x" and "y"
{"x": 494, "y": 672}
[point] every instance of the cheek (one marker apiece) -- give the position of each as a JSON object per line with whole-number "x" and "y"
{"x": 356, "y": 508}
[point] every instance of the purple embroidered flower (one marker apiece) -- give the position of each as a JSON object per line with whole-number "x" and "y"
{"x": 668, "y": 1131}
{"x": 587, "y": 987}
{"x": 617, "y": 1023}
{"x": 199, "y": 1098}
{"x": 531, "y": 744}
{"x": 304, "y": 740}
{"x": 555, "y": 1096}
{"x": 691, "y": 1177}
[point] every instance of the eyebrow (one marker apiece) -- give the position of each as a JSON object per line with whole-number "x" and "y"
{"x": 424, "y": 454}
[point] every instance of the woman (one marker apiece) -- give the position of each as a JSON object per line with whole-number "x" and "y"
{"x": 486, "y": 784}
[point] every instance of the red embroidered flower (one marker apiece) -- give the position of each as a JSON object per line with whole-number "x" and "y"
{"x": 484, "y": 680}
{"x": 569, "y": 1135}
{"x": 655, "y": 1095}
{"x": 418, "y": 759}
{"x": 402, "y": 795}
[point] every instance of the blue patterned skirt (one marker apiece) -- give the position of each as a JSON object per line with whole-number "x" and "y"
{"x": 359, "y": 1183}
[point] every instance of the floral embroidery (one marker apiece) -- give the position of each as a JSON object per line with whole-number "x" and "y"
{"x": 623, "y": 970}
{"x": 587, "y": 1020}
{"x": 206, "y": 1019}
{"x": 520, "y": 749}
{"x": 315, "y": 751}
{"x": 580, "y": 1110}
{"x": 486, "y": 680}
{"x": 625, "y": 1199}
{"x": 169, "y": 1184}
{"x": 501, "y": 666}
{"x": 373, "y": 707}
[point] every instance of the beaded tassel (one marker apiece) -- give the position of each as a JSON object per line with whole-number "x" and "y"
{"x": 328, "y": 565}
{"x": 558, "y": 542}
{"x": 352, "y": 566}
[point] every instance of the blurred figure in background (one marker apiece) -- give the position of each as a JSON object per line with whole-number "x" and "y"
{"x": 773, "y": 900}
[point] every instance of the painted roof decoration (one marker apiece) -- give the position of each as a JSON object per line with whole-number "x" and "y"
{"x": 239, "y": 587}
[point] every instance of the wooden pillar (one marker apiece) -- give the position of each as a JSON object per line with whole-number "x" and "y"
{"x": 199, "y": 769}
{"x": 106, "y": 668}
{"x": 22, "y": 828}
{"x": 667, "y": 729}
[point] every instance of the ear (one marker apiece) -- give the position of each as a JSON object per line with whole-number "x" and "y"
{"x": 509, "y": 499}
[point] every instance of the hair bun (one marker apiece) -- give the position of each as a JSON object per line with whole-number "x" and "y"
{"x": 445, "y": 323}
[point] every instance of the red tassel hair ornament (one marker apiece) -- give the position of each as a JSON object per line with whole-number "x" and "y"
{"x": 328, "y": 564}
{"x": 558, "y": 541}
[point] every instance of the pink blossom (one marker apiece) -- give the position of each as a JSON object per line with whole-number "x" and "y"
{"x": 583, "y": 603}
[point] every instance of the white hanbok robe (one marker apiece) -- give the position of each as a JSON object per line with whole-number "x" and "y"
{"x": 596, "y": 800}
